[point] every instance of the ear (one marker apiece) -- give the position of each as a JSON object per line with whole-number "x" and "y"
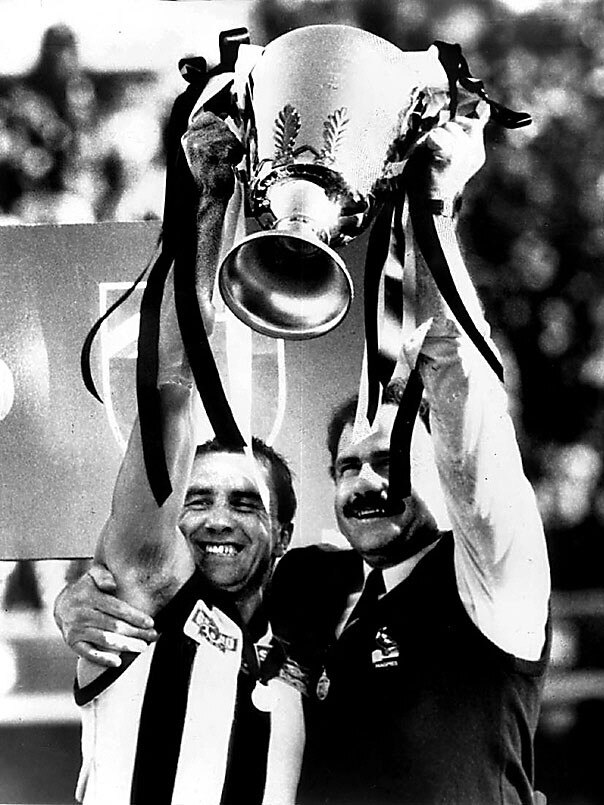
{"x": 285, "y": 534}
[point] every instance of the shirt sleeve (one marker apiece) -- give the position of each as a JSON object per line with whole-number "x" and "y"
{"x": 500, "y": 551}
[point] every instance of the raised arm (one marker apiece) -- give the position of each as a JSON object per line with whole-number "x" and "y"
{"x": 141, "y": 544}
{"x": 501, "y": 559}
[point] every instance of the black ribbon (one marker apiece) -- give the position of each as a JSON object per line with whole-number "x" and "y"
{"x": 177, "y": 239}
{"x": 399, "y": 476}
{"x": 377, "y": 253}
{"x": 379, "y": 369}
{"x": 434, "y": 255}
{"x": 432, "y": 251}
{"x": 147, "y": 364}
{"x": 177, "y": 245}
{"x": 200, "y": 356}
{"x": 180, "y": 248}
{"x": 458, "y": 73}
{"x": 85, "y": 355}
{"x": 431, "y": 248}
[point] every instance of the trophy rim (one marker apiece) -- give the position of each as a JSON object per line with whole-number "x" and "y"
{"x": 274, "y": 331}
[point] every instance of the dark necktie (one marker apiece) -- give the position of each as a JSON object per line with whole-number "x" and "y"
{"x": 374, "y": 587}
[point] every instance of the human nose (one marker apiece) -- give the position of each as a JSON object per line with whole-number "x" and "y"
{"x": 218, "y": 520}
{"x": 368, "y": 480}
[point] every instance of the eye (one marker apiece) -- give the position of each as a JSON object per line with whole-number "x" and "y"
{"x": 381, "y": 465}
{"x": 247, "y": 503}
{"x": 198, "y": 502}
{"x": 347, "y": 468}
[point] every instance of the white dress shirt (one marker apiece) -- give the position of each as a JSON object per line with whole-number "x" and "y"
{"x": 500, "y": 551}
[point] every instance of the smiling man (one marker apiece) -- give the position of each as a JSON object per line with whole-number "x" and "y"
{"x": 181, "y": 721}
{"x": 428, "y": 646}
{"x": 360, "y": 470}
{"x": 424, "y": 649}
{"x": 233, "y": 540}
{"x": 178, "y": 722}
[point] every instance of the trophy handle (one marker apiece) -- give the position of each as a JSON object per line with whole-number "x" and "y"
{"x": 229, "y": 43}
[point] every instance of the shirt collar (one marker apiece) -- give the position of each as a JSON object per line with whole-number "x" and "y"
{"x": 398, "y": 573}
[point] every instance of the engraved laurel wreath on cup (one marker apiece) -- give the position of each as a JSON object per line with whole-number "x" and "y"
{"x": 329, "y": 114}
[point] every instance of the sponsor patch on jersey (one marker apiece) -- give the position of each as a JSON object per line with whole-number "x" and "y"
{"x": 203, "y": 625}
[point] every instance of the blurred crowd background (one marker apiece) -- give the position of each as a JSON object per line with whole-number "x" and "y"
{"x": 78, "y": 147}
{"x": 83, "y": 146}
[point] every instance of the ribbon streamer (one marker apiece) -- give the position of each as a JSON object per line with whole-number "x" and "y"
{"x": 177, "y": 247}
{"x": 85, "y": 355}
{"x": 434, "y": 254}
{"x": 375, "y": 260}
{"x": 399, "y": 486}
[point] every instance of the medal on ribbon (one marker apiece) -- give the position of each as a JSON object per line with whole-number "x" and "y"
{"x": 323, "y": 686}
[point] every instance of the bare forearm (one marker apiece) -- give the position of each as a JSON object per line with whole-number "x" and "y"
{"x": 140, "y": 542}
{"x": 211, "y": 150}
{"x": 211, "y": 213}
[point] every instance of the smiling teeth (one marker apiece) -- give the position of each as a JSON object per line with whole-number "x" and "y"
{"x": 366, "y": 513}
{"x": 222, "y": 550}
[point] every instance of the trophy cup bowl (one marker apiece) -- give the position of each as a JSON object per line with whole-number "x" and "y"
{"x": 328, "y": 118}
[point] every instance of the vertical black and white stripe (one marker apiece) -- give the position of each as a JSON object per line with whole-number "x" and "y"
{"x": 174, "y": 724}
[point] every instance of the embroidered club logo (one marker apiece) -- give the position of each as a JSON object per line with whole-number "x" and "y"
{"x": 386, "y": 653}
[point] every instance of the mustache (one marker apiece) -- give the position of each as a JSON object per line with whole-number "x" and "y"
{"x": 373, "y": 500}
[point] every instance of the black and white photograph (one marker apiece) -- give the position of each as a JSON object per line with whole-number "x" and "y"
{"x": 301, "y": 402}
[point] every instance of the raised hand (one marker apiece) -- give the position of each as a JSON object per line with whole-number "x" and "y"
{"x": 457, "y": 153}
{"x": 212, "y": 151}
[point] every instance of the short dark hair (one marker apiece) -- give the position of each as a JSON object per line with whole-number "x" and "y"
{"x": 280, "y": 473}
{"x": 345, "y": 414}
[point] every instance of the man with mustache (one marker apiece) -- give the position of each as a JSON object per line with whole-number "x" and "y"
{"x": 430, "y": 693}
{"x": 426, "y": 647}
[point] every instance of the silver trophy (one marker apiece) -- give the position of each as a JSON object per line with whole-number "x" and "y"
{"x": 329, "y": 117}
